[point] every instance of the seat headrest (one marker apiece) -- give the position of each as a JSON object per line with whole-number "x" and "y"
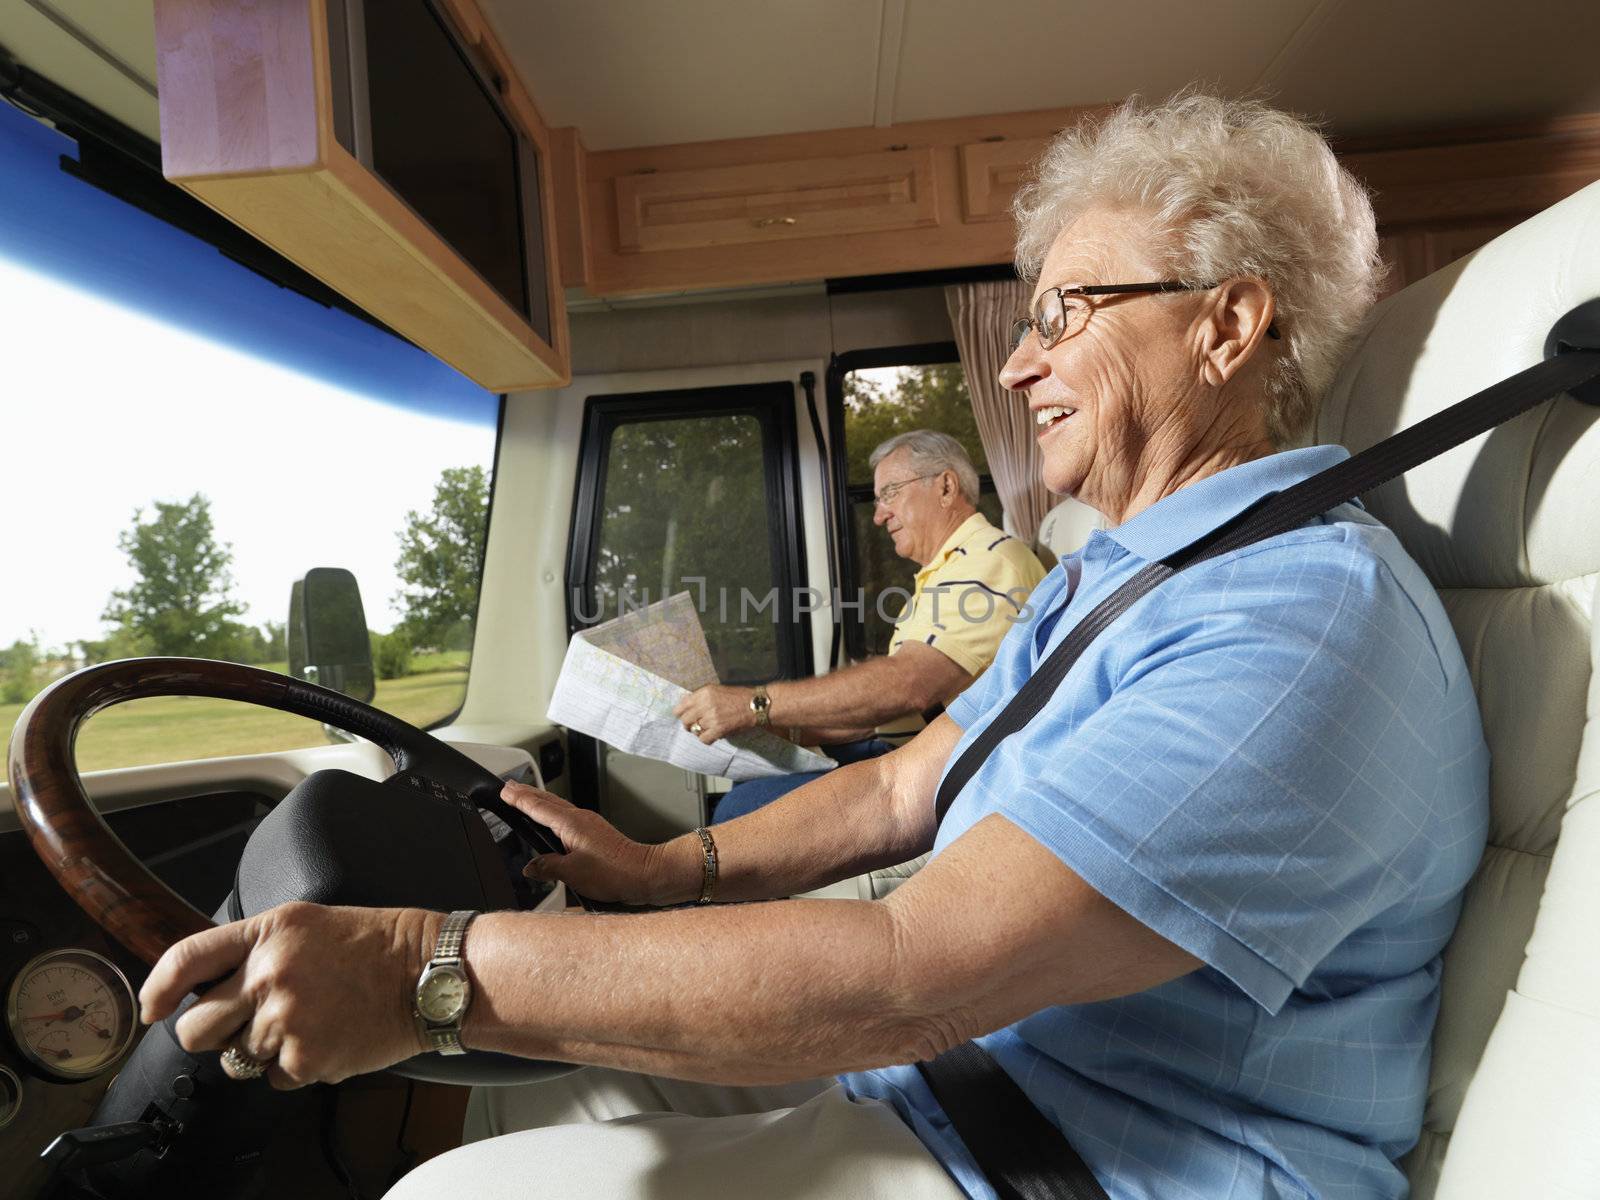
{"x": 1065, "y": 529}
{"x": 1519, "y": 505}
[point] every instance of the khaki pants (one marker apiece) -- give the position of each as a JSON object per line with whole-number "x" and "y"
{"x": 612, "y": 1134}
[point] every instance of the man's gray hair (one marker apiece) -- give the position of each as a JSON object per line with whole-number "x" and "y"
{"x": 1234, "y": 188}
{"x": 930, "y": 452}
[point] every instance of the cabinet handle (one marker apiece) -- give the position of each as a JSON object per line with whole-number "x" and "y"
{"x": 764, "y": 222}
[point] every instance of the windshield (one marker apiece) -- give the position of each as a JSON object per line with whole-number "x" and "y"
{"x": 183, "y": 439}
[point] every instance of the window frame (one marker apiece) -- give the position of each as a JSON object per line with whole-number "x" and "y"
{"x": 923, "y": 354}
{"x": 772, "y": 404}
{"x": 483, "y": 562}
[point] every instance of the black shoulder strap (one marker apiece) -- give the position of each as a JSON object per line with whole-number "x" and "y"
{"x": 1022, "y": 1154}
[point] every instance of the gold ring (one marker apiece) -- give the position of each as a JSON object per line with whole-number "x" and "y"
{"x": 236, "y": 1064}
{"x": 695, "y": 728}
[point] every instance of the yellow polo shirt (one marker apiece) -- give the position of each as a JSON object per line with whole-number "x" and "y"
{"x": 968, "y": 596}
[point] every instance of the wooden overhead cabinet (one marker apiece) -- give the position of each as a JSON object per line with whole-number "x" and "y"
{"x": 248, "y": 126}
{"x": 791, "y": 207}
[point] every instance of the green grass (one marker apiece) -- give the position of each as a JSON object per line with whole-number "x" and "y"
{"x": 174, "y": 728}
{"x": 440, "y": 660}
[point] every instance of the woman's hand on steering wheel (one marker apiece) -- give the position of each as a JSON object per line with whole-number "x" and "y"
{"x": 316, "y": 993}
{"x": 600, "y": 861}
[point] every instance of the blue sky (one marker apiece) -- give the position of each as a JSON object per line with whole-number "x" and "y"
{"x": 59, "y": 226}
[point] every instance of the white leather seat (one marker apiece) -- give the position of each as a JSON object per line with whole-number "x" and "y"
{"x": 1508, "y": 529}
{"x": 1065, "y": 529}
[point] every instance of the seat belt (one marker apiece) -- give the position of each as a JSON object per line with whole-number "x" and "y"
{"x": 1023, "y": 1155}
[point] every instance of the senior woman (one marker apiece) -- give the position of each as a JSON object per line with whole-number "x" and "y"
{"x": 1195, "y": 909}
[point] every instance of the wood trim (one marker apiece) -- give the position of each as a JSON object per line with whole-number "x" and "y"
{"x": 568, "y": 162}
{"x": 991, "y": 172}
{"x": 239, "y": 85}
{"x": 1576, "y": 125}
{"x": 943, "y": 134}
{"x": 807, "y": 198}
{"x": 1477, "y": 181}
{"x": 476, "y": 31}
{"x": 72, "y": 840}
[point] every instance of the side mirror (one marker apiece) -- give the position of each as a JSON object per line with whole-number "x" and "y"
{"x": 328, "y": 640}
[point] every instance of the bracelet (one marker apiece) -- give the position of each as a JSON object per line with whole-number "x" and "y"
{"x": 708, "y": 865}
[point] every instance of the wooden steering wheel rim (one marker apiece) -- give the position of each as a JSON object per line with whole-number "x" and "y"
{"x": 72, "y": 839}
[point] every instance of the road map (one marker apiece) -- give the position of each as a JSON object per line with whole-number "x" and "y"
{"x": 621, "y": 680}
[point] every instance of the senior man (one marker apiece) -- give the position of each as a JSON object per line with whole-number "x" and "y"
{"x": 1195, "y": 909}
{"x": 970, "y": 588}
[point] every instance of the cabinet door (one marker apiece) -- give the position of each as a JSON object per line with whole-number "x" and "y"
{"x": 991, "y": 172}
{"x": 765, "y": 202}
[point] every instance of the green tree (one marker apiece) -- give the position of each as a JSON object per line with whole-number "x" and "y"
{"x": 441, "y": 561}
{"x": 123, "y": 643}
{"x": 277, "y": 641}
{"x": 685, "y": 509}
{"x": 391, "y": 654}
{"x": 932, "y": 397}
{"x": 19, "y": 671}
{"x": 180, "y": 603}
{"x": 252, "y": 646}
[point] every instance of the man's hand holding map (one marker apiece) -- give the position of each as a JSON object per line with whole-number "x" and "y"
{"x": 620, "y": 681}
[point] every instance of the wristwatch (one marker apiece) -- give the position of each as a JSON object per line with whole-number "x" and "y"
{"x": 761, "y": 705}
{"x": 443, "y": 989}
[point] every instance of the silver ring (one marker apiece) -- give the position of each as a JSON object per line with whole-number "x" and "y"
{"x": 236, "y": 1064}
{"x": 695, "y": 728}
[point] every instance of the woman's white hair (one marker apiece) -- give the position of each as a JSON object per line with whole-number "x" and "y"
{"x": 1234, "y": 188}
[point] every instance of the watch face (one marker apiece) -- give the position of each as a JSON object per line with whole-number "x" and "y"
{"x": 442, "y": 994}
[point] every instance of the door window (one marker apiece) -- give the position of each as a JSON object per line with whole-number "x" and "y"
{"x": 696, "y": 491}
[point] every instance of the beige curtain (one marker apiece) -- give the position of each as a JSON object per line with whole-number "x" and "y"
{"x": 981, "y": 315}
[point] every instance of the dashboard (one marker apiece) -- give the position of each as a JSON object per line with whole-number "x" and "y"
{"x": 70, "y": 1017}
{"x": 71, "y": 1013}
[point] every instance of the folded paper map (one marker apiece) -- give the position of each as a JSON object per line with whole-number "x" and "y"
{"x": 621, "y": 680}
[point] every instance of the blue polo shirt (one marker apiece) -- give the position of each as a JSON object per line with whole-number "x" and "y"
{"x": 1275, "y": 761}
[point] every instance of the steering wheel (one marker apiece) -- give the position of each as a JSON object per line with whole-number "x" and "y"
{"x": 334, "y": 836}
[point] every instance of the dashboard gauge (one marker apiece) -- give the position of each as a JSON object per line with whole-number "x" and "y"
{"x": 71, "y": 1013}
{"x": 10, "y": 1096}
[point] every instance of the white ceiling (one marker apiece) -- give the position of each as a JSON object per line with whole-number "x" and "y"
{"x": 648, "y": 72}
{"x": 103, "y": 50}
{"x": 645, "y": 72}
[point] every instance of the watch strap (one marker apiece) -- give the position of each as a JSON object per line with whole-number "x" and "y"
{"x": 445, "y": 1038}
{"x": 452, "y": 937}
{"x": 442, "y": 1039}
